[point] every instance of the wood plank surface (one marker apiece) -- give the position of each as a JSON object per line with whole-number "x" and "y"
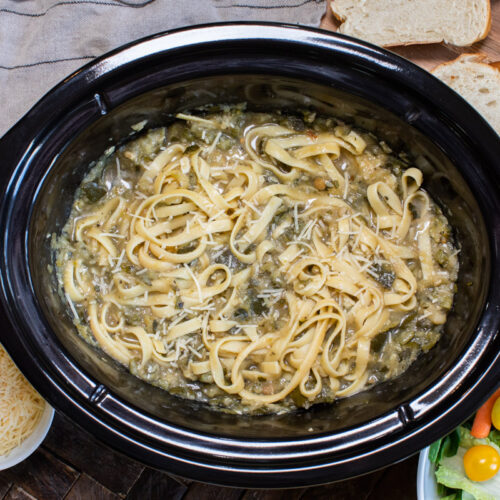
{"x": 87, "y": 454}
{"x": 87, "y": 488}
{"x": 17, "y": 493}
{"x": 293, "y": 494}
{"x": 155, "y": 484}
{"x": 43, "y": 476}
{"x": 211, "y": 492}
{"x": 397, "y": 480}
{"x": 4, "y": 486}
{"x": 360, "y": 488}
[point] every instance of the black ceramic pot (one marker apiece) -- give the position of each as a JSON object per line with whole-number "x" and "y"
{"x": 45, "y": 156}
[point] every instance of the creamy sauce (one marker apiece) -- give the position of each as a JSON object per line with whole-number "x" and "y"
{"x": 257, "y": 262}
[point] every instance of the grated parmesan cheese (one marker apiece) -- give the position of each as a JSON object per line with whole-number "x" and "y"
{"x": 306, "y": 231}
{"x": 136, "y": 216}
{"x": 118, "y": 170}
{"x": 192, "y": 118}
{"x": 113, "y": 235}
{"x": 72, "y": 307}
{"x": 21, "y": 407}
{"x": 214, "y": 143}
{"x": 197, "y": 284}
{"x": 346, "y": 185}
{"x": 296, "y": 217}
{"x": 189, "y": 306}
{"x": 297, "y": 242}
{"x": 119, "y": 262}
{"x": 253, "y": 207}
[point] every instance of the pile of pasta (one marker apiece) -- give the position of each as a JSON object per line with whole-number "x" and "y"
{"x": 188, "y": 208}
{"x": 20, "y": 406}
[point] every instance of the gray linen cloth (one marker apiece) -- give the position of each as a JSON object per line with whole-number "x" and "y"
{"x": 43, "y": 41}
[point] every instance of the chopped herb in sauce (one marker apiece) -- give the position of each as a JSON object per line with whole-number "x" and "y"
{"x": 176, "y": 266}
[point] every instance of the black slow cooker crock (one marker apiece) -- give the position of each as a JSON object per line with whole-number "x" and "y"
{"x": 44, "y": 157}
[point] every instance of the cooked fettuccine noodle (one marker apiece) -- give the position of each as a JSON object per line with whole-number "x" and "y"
{"x": 257, "y": 262}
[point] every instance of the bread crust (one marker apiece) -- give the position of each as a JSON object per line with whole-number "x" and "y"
{"x": 461, "y": 75}
{"x": 488, "y": 24}
{"x": 482, "y": 36}
{"x": 474, "y": 57}
{"x": 335, "y": 13}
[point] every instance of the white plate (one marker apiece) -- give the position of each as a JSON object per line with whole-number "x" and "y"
{"x": 426, "y": 479}
{"x": 31, "y": 443}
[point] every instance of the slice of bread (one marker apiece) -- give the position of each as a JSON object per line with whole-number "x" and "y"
{"x": 406, "y": 22}
{"x": 477, "y": 82}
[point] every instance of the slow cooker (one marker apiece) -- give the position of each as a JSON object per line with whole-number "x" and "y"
{"x": 269, "y": 66}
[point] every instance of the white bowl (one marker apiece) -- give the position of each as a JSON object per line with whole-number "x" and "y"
{"x": 31, "y": 443}
{"x": 426, "y": 478}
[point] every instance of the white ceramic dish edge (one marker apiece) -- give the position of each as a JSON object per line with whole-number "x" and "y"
{"x": 426, "y": 479}
{"x": 31, "y": 443}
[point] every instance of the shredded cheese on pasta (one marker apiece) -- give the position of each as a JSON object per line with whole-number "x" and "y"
{"x": 187, "y": 209}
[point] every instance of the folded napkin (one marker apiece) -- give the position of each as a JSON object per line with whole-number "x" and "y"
{"x": 42, "y": 41}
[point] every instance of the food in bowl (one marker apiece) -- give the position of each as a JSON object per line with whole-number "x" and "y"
{"x": 258, "y": 262}
{"x": 21, "y": 407}
{"x": 48, "y": 153}
{"x": 467, "y": 461}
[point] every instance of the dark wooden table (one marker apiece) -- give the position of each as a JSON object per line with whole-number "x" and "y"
{"x": 71, "y": 464}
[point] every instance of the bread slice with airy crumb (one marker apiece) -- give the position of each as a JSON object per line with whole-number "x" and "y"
{"x": 476, "y": 81}
{"x": 406, "y": 22}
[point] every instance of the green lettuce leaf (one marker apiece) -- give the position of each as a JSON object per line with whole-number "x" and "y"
{"x": 451, "y": 473}
{"x": 494, "y": 436}
{"x": 450, "y": 444}
{"x": 434, "y": 451}
{"x": 445, "y": 447}
{"x": 468, "y": 441}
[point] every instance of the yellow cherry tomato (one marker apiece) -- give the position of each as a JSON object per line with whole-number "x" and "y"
{"x": 481, "y": 462}
{"x": 495, "y": 414}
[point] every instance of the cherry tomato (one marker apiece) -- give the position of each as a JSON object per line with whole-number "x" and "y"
{"x": 481, "y": 462}
{"x": 495, "y": 414}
